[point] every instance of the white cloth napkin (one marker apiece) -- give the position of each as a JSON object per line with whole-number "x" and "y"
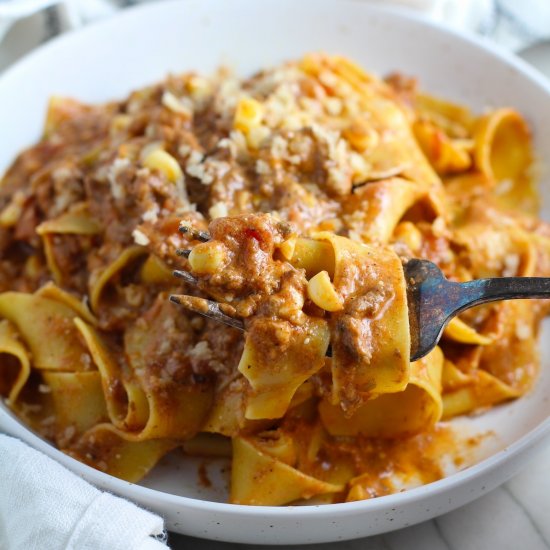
{"x": 44, "y": 506}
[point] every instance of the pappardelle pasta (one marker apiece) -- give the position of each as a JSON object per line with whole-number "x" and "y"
{"x": 317, "y": 181}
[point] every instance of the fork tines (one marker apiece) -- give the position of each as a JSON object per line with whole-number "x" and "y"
{"x": 196, "y": 234}
{"x": 186, "y": 276}
{"x": 208, "y": 308}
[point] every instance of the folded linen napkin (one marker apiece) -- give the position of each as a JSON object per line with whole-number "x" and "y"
{"x": 44, "y": 506}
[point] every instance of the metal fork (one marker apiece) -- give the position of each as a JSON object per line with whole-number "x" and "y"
{"x": 432, "y": 299}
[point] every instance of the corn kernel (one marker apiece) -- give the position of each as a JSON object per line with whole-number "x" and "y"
{"x": 322, "y": 293}
{"x": 256, "y": 136}
{"x": 248, "y": 115}
{"x": 218, "y": 210}
{"x": 287, "y": 247}
{"x": 12, "y": 212}
{"x": 150, "y": 148}
{"x": 155, "y": 271}
{"x": 310, "y": 64}
{"x": 360, "y": 136}
{"x": 176, "y": 105}
{"x": 164, "y": 162}
{"x": 199, "y": 88}
{"x": 207, "y": 258}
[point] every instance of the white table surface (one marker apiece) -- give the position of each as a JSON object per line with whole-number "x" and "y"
{"x": 515, "y": 516}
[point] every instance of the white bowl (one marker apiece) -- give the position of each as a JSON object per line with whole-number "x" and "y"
{"x": 140, "y": 46}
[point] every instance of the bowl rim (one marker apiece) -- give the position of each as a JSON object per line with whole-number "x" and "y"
{"x": 453, "y": 481}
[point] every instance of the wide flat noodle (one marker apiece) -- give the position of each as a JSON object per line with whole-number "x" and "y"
{"x": 107, "y": 449}
{"x": 126, "y": 401}
{"x": 76, "y": 221}
{"x": 177, "y": 406}
{"x": 15, "y": 366}
{"x": 452, "y": 377}
{"x": 455, "y": 120}
{"x": 503, "y": 146}
{"x": 36, "y": 316}
{"x": 417, "y": 408}
{"x": 78, "y": 402}
{"x": 208, "y": 445}
{"x": 370, "y": 337}
{"x": 155, "y": 271}
{"x": 142, "y": 401}
{"x": 99, "y": 280}
{"x": 396, "y": 145}
{"x": 50, "y": 290}
{"x": 307, "y": 446}
{"x": 446, "y": 155}
{"x": 496, "y": 251}
{"x": 480, "y": 390}
{"x": 372, "y": 212}
{"x": 513, "y": 356}
{"x": 458, "y": 331}
{"x": 260, "y": 479}
{"x": 276, "y": 370}
{"x": 499, "y": 371}
{"x": 227, "y": 415}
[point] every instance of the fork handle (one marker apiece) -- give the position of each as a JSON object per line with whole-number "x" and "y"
{"x": 434, "y": 300}
{"x": 482, "y": 291}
